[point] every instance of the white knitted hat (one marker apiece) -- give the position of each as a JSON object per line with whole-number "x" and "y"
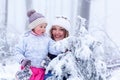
{"x": 63, "y": 23}
{"x": 35, "y": 19}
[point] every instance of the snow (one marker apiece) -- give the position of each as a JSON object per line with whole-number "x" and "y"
{"x": 115, "y": 75}
{"x": 84, "y": 60}
{"x": 8, "y": 69}
{"x": 9, "y": 66}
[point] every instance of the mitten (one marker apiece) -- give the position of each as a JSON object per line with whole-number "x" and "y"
{"x": 25, "y": 62}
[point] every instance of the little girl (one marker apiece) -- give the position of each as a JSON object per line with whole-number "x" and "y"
{"x": 35, "y": 45}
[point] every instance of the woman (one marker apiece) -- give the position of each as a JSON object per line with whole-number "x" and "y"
{"x": 81, "y": 58}
{"x": 60, "y": 29}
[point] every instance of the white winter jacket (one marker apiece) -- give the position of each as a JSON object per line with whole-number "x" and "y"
{"x": 35, "y": 48}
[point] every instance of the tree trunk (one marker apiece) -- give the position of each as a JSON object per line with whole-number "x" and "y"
{"x": 83, "y": 9}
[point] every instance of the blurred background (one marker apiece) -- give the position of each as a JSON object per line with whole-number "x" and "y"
{"x": 100, "y": 14}
{"x": 102, "y": 17}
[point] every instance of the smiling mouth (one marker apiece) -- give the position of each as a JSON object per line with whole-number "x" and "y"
{"x": 57, "y": 36}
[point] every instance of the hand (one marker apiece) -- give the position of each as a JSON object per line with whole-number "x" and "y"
{"x": 25, "y": 62}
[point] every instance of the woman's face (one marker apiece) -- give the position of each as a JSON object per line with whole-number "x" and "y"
{"x": 57, "y": 32}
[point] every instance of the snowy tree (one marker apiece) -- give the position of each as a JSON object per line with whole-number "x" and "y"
{"x": 4, "y": 47}
{"x": 82, "y": 61}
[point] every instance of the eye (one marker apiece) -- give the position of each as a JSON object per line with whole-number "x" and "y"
{"x": 62, "y": 29}
{"x": 40, "y": 26}
{"x": 53, "y": 28}
{"x": 44, "y": 26}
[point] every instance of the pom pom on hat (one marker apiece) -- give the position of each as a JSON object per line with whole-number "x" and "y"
{"x": 29, "y": 13}
{"x": 35, "y": 19}
{"x": 63, "y": 22}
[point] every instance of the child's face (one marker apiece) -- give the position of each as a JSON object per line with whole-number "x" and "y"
{"x": 40, "y": 29}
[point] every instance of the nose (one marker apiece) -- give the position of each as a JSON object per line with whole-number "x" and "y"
{"x": 57, "y": 31}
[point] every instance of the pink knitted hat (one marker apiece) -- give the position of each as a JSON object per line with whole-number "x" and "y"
{"x": 35, "y": 19}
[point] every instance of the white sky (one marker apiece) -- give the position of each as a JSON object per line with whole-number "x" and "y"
{"x": 105, "y": 14}
{"x": 113, "y": 20}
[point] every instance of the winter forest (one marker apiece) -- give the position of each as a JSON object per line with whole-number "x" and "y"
{"x": 95, "y": 24}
